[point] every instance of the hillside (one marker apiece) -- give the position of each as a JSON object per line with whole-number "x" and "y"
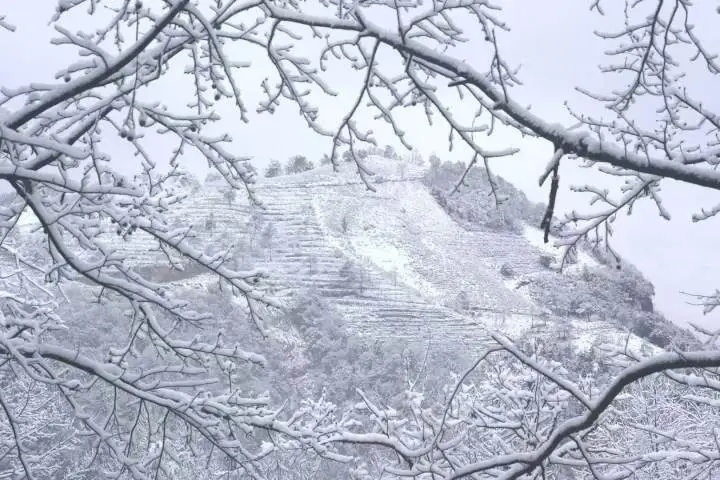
{"x": 381, "y": 290}
{"x": 409, "y": 261}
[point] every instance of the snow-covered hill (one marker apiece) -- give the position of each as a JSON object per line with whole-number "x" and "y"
{"x": 391, "y": 261}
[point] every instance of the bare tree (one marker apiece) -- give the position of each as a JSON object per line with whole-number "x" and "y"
{"x": 55, "y": 154}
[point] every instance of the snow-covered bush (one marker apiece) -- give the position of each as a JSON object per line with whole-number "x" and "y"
{"x": 298, "y": 164}
{"x": 481, "y": 202}
{"x": 507, "y": 271}
{"x": 273, "y": 169}
{"x": 618, "y": 296}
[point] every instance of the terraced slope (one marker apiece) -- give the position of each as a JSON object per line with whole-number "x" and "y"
{"x": 402, "y": 230}
{"x": 393, "y": 263}
{"x": 309, "y": 260}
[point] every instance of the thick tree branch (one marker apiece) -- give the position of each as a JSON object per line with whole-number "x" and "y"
{"x": 581, "y": 144}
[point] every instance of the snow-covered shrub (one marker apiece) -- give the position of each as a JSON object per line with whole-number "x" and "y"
{"x": 187, "y": 181}
{"x": 546, "y": 261}
{"x": 214, "y": 179}
{"x": 608, "y": 294}
{"x": 274, "y": 169}
{"x": 331, "y": 361}
{"x": 462, "y": 302}
{"x": 229, "y": 195}
{"x": 474, "y": 204}
{"x": 352, "y": 274}
{"x": 298, "y": 164}
{"x": 507, "y": 271}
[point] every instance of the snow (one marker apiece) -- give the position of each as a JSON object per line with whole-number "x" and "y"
{"x": 416, "y": 261}
{"x": 394, "y": 261}
{"x": 43, "y": 143}
{"x": 535, "y": 237}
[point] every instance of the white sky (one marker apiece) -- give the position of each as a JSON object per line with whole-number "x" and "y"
{"x": 554, "y": 43}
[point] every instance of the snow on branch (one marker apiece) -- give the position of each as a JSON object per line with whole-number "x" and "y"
{"x": 79, "y": 157}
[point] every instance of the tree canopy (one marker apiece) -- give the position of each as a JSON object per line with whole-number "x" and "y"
{"x": 164, "y": 395}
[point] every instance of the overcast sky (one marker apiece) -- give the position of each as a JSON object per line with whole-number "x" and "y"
{"x": 553, "y": 41}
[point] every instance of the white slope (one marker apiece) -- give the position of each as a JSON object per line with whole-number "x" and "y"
{"x": 420, "y": 269}
{"x": 391, "y": 261}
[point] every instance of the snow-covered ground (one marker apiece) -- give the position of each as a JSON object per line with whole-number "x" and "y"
{"x": 391, "y": 261}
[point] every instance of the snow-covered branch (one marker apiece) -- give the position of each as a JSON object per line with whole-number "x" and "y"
{"x": 164, "y": 380}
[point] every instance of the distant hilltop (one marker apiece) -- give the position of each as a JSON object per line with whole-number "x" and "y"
{"x": 410, "y": 257}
